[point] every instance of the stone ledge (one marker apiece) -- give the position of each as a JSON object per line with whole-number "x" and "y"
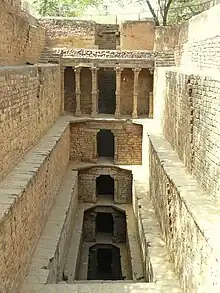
{"x": 107, "y": 287}
{"x": 55, "y": 234}
{"x": 155, "y": 254}
{"x": 204, "y": 209}
{"x": 13, "y": 185}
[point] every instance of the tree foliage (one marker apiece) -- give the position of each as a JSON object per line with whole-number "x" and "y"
{"x": 175, "y": 11}
{"x": 65, "y": 8}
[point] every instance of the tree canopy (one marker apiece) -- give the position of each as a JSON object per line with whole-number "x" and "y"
{"x": 65, "y": 8}
{"x": 174, "y": 11}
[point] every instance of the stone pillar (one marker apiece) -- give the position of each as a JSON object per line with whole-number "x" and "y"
{"x": 151, "y": 102}
{"x": 62, "y": 69}
{"x": 94, "y": 91}
{"x": 118, "y": 91}
{"x": 151, "y": 106}
{"x": 77, "y": 90}
{"x": 135, "y": 93}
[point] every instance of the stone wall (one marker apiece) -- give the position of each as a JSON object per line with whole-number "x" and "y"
{"x": 33, "y": 186}
{"x": 137, "y": 35}
{"x": 30, "y": 104}
{"x": 190, "y": 121}
{"x": 189, "y": 220}
{"x": 21, "y": 41}
{"x": 107, "y": 36}
{"x": 69, "y": 33}
{"x": 199, "y": 40}
{"x": 122, "y": 183}
{"x": 128, "y": 141}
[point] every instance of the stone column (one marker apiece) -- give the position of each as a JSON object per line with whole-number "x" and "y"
{"x": 151, "y": 103}
{"x": 77, "y": 90}
{"x": 135, "y": 93}
{"x": 94, "y": 90}
{"x": 62, "y": 69}
{"x": 118, "y": 91}
{"x": 151, "y": 106}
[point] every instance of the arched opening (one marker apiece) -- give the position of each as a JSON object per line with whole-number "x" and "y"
{"x": 105, "y": 187}
{"x": 104, "y": 262}
{"x": 105, "y": 143}
{"x": 104, "y": 223}
{"x": 107, "y": 88}
{"x": 69, "y": 90}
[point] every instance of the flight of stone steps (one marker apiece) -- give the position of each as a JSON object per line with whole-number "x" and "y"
{"x": 164, "y": 59}
{"x": 49, "y": 55}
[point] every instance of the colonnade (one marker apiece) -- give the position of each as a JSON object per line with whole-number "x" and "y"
{"x": 94, "y": 71}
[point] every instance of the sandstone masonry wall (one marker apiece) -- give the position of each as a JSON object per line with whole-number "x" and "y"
{"x": 30, "y": 104}
{"x": 122, "y": 183}
{"x": 107, "y": 36}
{"x": 137, "y": 35}
{"x": 199, "y": 40}
{"x": 191, "y": 123}
{"x": 21, "y": 41}
{"x": 69, "y": 33}
{"x": 189, "y": 220}
{"x": 128, "y": 141}
{"x": 27, "y": 196}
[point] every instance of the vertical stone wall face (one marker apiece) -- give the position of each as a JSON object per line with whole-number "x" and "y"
{"x": 69, "y": 33}
{"x": 30, "y": 104}
{"x": 190, "y": 122}
{"x": 127, "y": 88}
{"x": 106, "y": 35}
{"x": 145, "y": 86}
{"x": 69, "y": 90}
{"x": 195, "y": 260}
{"x": 137, "y": 35}
{"x": 20, "y": 41}
{"x": 128, "y": 141}
{"x": 22, "y": 225}
{"x": 198, "y": 41}
{"x": 122, "y": 183}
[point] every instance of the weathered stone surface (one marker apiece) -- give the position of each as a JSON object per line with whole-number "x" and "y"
{"x": 30, "y": 104}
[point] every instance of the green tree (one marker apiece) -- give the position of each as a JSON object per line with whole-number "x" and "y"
{"x": 65, "y": 8}
{"x": 165, "y": 12}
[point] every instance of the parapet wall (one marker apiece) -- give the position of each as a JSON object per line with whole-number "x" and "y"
{"x": 21, "y": 40}
{"x": 69, "y": 33}
{"x": 190, "y": 121}
{"x": 30, "y": 102}
{"x": 137, "y": 35}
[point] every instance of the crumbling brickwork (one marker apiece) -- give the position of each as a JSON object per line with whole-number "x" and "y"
{"x": 127, "y": 141}
{"x": 30, "y": 99}
{"x": 22, "y": 224}
{"x": 122, "y": 183}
